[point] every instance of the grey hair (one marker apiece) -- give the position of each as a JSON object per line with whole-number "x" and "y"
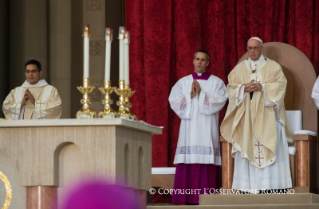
{"x": 202, "y": 51}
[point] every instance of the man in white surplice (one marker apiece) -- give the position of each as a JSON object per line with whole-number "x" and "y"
{"x": 256, "y": 123}
{"x": 35, "y": 99}
{"x": 197, "y": 100}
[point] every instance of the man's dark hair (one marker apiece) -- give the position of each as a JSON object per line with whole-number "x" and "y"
{"x": 202, "y": 51}
{"x": 33, "y": 62}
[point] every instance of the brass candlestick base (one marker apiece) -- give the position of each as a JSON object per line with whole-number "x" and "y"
{"x": 124, "y": 91}
{"x": 107, "y": 112}
{"x": 86, "y": 112}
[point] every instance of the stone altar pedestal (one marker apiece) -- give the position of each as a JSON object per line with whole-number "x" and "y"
{"x": 41, "y": 158}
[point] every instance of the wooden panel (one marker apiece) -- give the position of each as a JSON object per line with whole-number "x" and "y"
{"x": 163, "y": 181}
{"x": 304, "y": 137}
{"x": 302, "y": 163}
{"x": 293, "y": 169}
{"x": 227, "y": 166}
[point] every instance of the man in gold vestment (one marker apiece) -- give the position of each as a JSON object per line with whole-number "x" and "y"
{"x": 35, "y": 99}
{"x": 256, "y": 123}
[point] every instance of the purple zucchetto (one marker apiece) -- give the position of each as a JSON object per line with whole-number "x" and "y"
{"x": 97, "y": 195}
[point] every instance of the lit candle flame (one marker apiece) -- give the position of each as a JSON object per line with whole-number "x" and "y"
{"x": 86, "y": 29}
{"x": 127, "y": 35}
{"x": 122, "y": 31}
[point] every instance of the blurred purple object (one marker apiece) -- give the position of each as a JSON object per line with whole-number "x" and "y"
{"x": 97, "y": 195}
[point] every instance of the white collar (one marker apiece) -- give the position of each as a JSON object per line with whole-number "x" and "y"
{"x": 40, "y": 83}
{"x": 256, "y": 62}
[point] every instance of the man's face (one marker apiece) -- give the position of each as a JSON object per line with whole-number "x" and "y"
{"x": 32, "y": 74}
{"x": 200, "y": 62}
{"x": 254, "y": 49}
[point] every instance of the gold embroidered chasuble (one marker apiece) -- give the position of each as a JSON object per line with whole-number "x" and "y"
{"x": 253, "y": 121}
{"x": 47, "y": 102}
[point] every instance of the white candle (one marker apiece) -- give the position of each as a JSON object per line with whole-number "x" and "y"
{"x": 126, "y": 57}
{"x": 86, "y": 34}
{"x": 108, "y": 41}
{"x": 121, "y": 52}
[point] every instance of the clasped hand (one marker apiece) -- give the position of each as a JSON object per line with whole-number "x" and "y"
{"x": 251, "y": 87}
{"x": 27, "y": 96}
{"x": 195, "y": 89}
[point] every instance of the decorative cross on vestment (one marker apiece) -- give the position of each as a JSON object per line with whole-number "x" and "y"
{"x": 15, "y": 113}
{"x": 42, "y": 116}
{"x": 183, "y": 104}
{"x": 40, "y": 103}
{"x": 254, "y": 68}
{"x": 206, "y": 101}
{"x": 258, "y": 145}
{"x": 260, "y": 158}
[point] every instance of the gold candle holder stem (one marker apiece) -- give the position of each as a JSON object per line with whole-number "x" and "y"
{"x": 107, "y": 112}
{"x": 86, "y": 112}
{"x": 122, "y": 113}
{"x": 124, "y": 91}
{"x": 128, "y": 105}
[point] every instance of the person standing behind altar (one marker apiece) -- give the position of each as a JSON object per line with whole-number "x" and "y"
{"x": 197, "y": 100}
{"x": 35, "y": 99}
{"x": 256, "y": 123}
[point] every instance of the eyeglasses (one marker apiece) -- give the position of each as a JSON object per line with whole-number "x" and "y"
{"x": 249, "y": 48}
{"x": 32, "y": 71}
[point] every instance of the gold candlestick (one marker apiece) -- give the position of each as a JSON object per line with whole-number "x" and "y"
{"x": 86, "y": 112}
{"x": 107, "y": 112}
{"x": 124, "y": 93}
{"x": 128, "y": 105}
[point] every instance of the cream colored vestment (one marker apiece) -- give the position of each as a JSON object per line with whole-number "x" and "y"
{"x": 47, "y": 102}
{"x": 256, "y": 117}
{"x": 258, "y": 128}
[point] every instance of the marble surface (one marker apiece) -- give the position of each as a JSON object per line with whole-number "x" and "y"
{"x": 2, "y": 193}
{"x": 51, "y": 153}
{"x": 139, "y": 125}
{"x": 43, "y": 197}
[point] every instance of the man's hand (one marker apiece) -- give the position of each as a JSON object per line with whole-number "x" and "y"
{"x": 251, "y": 87}
{"x": 197, "y": 87}
{"x": 24, "y": 100}
{"x": 29, "y": 96}
{"x": 193, "y": 92}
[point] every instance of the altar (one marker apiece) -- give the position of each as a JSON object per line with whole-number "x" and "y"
{"x": 40, "y": 158}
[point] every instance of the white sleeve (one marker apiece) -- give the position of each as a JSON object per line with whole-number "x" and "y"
{"x": 240, "y": 94}
{"x": 269, "y": 102}
{"x": 11, "y": 107}
{"x": 212, "y": 102}
{"x": 180, "y": 100}
{"x": 315, "y": 93}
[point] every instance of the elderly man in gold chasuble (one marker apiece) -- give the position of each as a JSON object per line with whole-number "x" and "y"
{"x": 256, "y": 123}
